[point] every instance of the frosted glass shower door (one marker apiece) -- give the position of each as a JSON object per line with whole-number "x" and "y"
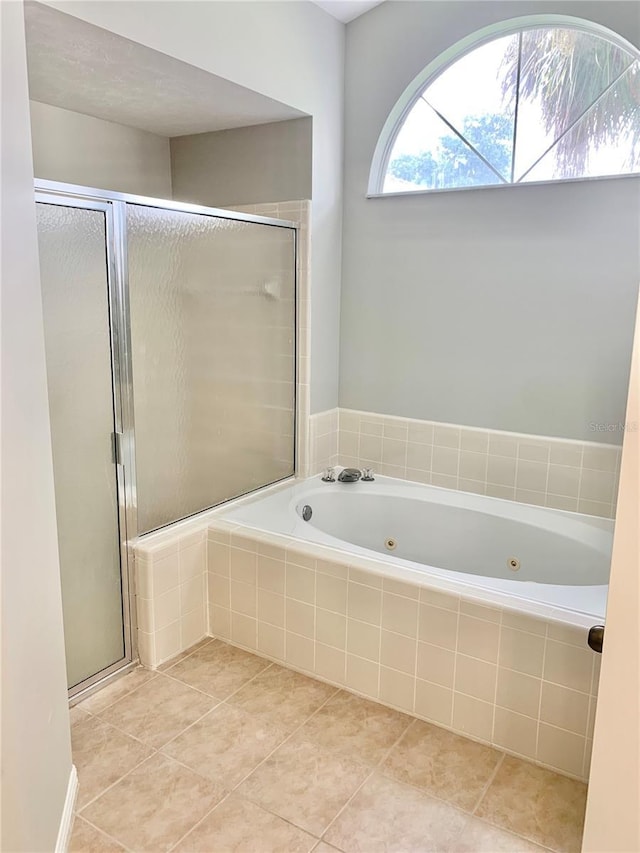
{"x": 75, "y": 299}
{"x": 213, "y": 346}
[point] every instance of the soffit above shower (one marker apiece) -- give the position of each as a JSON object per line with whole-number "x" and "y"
{"x": 84, "y": 68}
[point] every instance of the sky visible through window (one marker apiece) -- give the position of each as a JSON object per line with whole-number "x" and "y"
{"x": 562, "y": 77}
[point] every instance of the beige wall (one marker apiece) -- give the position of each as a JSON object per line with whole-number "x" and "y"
{"x": 80, "y": 149}
{"x": 613, "y": 807}
{"x": 36, "y": 755}
{"x": 294, "y": 53}
{"x": 246, "y": 165}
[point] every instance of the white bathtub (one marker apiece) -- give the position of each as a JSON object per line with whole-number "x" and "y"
{"x": 451, "y": 540}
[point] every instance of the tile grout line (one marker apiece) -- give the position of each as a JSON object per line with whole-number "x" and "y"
{"x": 177, "y": 761}
{"x": 495, "y": 691}
{"x": 315, "y": 620}
{"x": 120, "y": 731}
{"x": 154, "y": 750}
{"x": 201, "y": 644}
{"x": 455, "y": 664}
{"x": 504, "y": 754}
{"x": 488, "y": 783}
{"x": 587, "y": 739}
{"x": 224, "y": 799}
{"x": 542, "y": 681}
{"x": 379, "y": 629}
{"x": 428, "y": 793}
{"x": 158, "y": 750}
{"x": 457, "y": 449}
{"x": 527, "y": 838}
{"x": 101, "y": 832}
{"x": 207, "y": 600}
{"x": 592, "y": 701}
{"x": 415, "y": 665}
{"x": 487, "y": 822}
{"x": 288, "y": 737}
{"x": 113, "y": 784}
{"x": 177, "y": 680}
{"x": 204, "y": 817}
{"x": 580, "y": 473}
{"x": 78, "y": 705}
{"x": 374, "y": 769}
{"x": 219, "y": 702}
{"x": 260, "y": 763}
{"x": 546, "y": 482}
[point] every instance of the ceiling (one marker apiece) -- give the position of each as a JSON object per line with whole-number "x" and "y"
{"x": 81, "y": 67}
{"x": 347, "y": 10}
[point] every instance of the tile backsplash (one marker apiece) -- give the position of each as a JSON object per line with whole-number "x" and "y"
{"x": 561, "y": 473}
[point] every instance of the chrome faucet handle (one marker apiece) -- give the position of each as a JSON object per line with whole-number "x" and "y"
{"x": 329, "y": 475}
{"x": 367, "y": 475}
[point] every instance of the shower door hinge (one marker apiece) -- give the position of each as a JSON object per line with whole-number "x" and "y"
{"x": 116, "y": 444}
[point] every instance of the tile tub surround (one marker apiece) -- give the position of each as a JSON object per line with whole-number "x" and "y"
{"x": 323, "y": 440}
{"x": 519, "y": 683}
{"x": 224, "y": 750}
{"x": 577, "y": 476}
{"x": 170, "y": 594}
{"x": 171, "y": 585}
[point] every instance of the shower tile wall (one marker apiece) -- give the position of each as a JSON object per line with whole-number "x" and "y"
{"x": 515, "y": 681}
{"x": 300, "y": 213}
{"x": 570, "y": 475}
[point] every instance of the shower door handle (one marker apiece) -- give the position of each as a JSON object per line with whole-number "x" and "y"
{"x": 116, "y": 444}
{"x": 596, "y": 638}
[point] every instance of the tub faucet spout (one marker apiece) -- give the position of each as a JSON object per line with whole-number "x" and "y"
{"x": 349, "y": 475}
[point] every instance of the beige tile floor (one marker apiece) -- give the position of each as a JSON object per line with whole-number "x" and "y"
{"x": 224, "y": 751}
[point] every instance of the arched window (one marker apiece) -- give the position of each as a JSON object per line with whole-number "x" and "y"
{"x": 540, "y": 99}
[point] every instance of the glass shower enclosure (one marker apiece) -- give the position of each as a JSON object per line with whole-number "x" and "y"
{"x": 170, "y": 335}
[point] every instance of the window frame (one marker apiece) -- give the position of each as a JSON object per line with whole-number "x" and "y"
{"x": 407, "y": 100}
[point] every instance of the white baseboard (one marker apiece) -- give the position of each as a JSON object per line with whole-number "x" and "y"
{"x": 66, "y": 821}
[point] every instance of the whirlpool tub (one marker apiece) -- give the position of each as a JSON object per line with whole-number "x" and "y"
{"x": 545, "y": 562}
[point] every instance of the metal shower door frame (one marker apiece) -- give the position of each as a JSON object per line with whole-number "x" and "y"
{"x": 122, "y": 414}
{"x": 114, "y": 205}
